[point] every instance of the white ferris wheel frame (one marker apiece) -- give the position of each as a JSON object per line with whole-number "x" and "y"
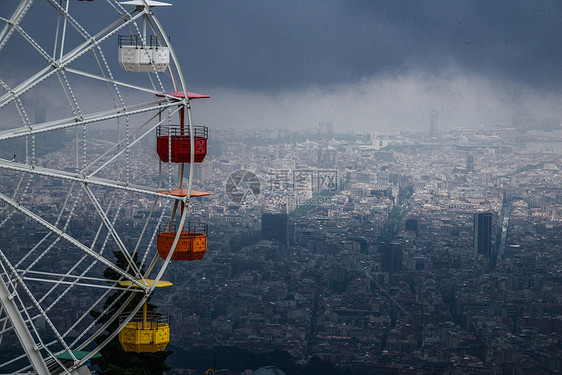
{"x": 12, "y": 280}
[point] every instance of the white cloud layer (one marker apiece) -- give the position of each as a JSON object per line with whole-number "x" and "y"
{"x": 384, "y": 103}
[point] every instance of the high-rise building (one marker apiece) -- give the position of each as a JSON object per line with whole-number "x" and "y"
{"x": 469, "y": 163}
{"x": 433, "y": 131}
{"x": 411, "y": 224}
{"x": 326, "y": 127}
{"x": 391, "y": 257}
{"x": 275, "y": 227}
{"x": 483, "y": 233}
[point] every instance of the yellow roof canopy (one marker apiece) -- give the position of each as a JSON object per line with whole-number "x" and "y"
{"x": 147, "y": 282}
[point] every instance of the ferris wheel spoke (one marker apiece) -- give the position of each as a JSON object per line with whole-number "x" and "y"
{"x": 69, "y": 286}
{"x": 21, "y": 110}
{"x": 105, "y": 312}
{"x": 9, "y": 299}
{"x": 33, "y": 43}
{"x": 56, "y": 66}
{"x": 112, "y": 114}
{"x": 112, "y": 81}
{"x": 113, "y": 232}
{"x": 152, "y": 238}
{"x": 8, "y": 29}
{"x": 85, "y": 271}
{"x": 69, "y": 95}
{"x": 73, "y": 283}
{"x": 33, "y": 250}
{"x": 117, "y": 146}
{"x": 14, "y": 196}
{"x": 128, "y": 145}
{"x": 3, "y": 323}
{"x": 97, "y": 181}
{"x": 72, "y": 240}
{"x": 59, "y": 277}
{"x": 74, "y": 266}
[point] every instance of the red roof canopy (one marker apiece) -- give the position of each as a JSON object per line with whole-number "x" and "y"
{"x": 181, "y": 94}
{"x": 183, "y": 193}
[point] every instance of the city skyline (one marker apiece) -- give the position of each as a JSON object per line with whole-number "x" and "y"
{"x": 374, "y": 188}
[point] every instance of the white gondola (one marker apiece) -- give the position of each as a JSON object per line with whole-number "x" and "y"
{"x": 144, "y": 55}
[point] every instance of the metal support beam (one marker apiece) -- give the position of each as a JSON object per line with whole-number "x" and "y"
{"x": 7, "y": 31}
{"x": 24, "y": 336}
{"x": 72, "y": 240}
{"x": 97, "y": 181}
{"x": 114, "y": 113}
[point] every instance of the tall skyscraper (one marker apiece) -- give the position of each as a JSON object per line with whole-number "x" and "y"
{"x": 483, "y": 233}
{"x": 391, "y": 257}
{"x": 433, "y": 131}
{"x": 275, "y": 227}
{"x": 469, "y": 163}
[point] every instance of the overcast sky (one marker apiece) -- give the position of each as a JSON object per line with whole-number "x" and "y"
{"x": 374, "y": 64}
{"x": 275, "y": 45}
{"x": 368, "y": 65}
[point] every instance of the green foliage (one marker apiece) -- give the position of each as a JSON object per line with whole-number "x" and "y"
{"x": 405, "y": 193}
{"x": 302, "y": 210}
{"x": 114, "y": 359}
{"x": 392, "y": 226}
{"x": 245, "y": 239}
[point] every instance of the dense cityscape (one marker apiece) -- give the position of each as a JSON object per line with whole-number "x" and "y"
{"x": 390, "y": 253}
{"x": 280, "y": 188}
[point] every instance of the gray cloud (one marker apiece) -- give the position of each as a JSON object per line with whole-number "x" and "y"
{"x": 275, "y": 45}
{"x": 383, "y": 103}
{"x": 361, "y": 64}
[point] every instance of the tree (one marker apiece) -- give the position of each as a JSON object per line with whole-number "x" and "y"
{"x": 114, "y": 359}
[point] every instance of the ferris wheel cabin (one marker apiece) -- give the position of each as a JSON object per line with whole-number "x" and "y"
{"x": 192, "y": 244}
{"x": 147, "y": 52}
{"x": 143, "y": 54}
{"x": 145, "y": 335}
{"x": 145, "y": 332}
{"x": 175, "y": 139}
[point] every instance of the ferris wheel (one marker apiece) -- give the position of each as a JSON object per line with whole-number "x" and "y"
{"x": 96, "y": 131}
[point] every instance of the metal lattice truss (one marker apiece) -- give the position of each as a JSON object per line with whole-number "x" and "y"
{"x": 77, "y": 194}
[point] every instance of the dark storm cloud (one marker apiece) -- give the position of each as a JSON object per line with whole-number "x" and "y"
{"x": 370, "y": 65}
{"x": 276, "y": 45}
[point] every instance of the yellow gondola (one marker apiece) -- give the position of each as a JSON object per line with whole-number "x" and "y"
{"x": 145, "y": 333}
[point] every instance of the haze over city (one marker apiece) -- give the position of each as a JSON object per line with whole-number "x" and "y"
{"x": 367, "y": 65}
{"x": 280, "y": 188}
{"x": 375, "y": 65}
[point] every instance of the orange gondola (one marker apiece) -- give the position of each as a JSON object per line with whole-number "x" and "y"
{"x": 192, "y": 243}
